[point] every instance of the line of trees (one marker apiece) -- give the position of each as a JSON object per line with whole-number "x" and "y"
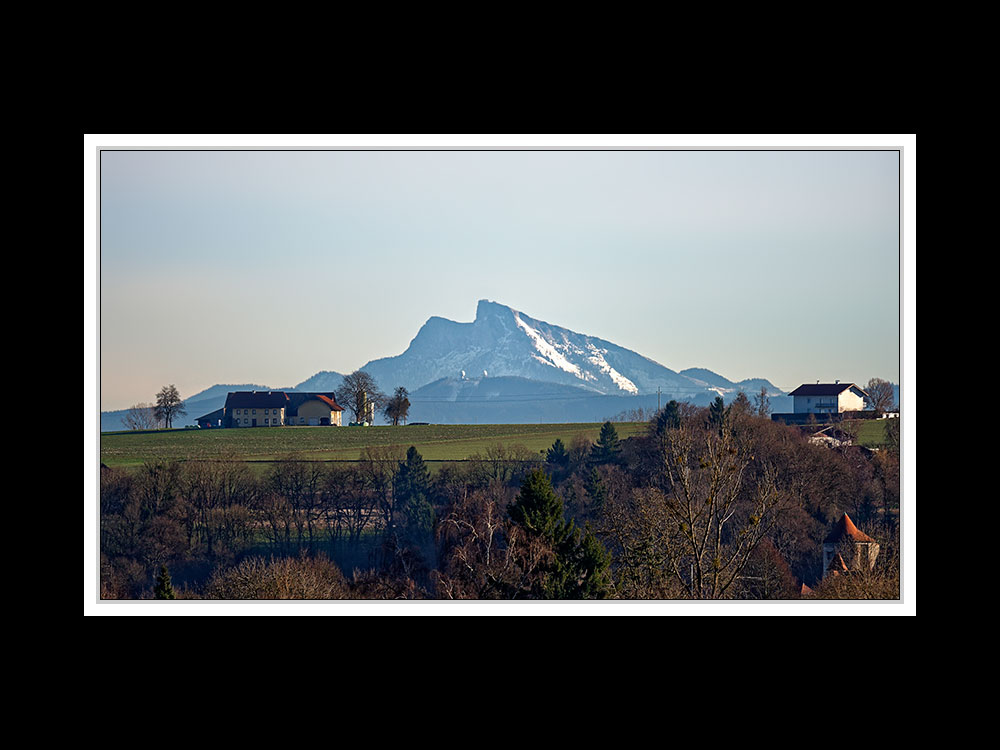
{"x": 708, "y": 504}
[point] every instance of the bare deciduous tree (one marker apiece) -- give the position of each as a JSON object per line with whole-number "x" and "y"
{"x": 716, "y": 520}
{"x": 762, "y": 403}
{"x": 141, "y": 417}
{"x": 484, "y": 555}
{"x": 168, "y": 405}
{"x": 880, "y": 395}
{"x": 361, "y": 394}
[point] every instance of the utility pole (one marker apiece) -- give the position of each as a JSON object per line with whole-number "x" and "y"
{"x": 657, "y": 399}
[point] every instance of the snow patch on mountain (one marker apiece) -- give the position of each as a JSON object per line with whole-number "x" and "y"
{"x": 596, "y": 357}
{"x": 551, "y": 355}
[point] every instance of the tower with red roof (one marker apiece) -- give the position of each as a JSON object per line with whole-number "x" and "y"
{"x": 847, "y": 549}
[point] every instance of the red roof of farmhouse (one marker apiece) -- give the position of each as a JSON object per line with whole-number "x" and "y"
{"x": 329, "y": 402}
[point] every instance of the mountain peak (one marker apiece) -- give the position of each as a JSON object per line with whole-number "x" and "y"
{"x": 508, "y": 343}
{"x": 486, "y": 308}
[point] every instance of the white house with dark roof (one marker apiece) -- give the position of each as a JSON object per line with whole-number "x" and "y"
{"x": 828, "y": 398}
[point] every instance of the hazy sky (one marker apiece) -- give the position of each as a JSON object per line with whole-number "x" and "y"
{"x": 269, "y": 266}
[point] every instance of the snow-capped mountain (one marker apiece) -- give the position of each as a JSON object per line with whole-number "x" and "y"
{"x": 507, "y": 366}
{"x": 502, "y": 341}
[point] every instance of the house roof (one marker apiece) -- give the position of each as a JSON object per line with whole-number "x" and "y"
{"x": 291, "y": 401}
{"x": 824, "y": 389}
{"x": 837, "y": 565}
{"x": 329, "y": 402}
{"x": 845, "y": 528}
{"x": 217, "y": 414}
{"x": 256, "y": 399}
{"x": 296, "y": 399}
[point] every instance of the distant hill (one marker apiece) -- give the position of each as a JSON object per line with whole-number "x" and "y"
{"x": 515, "y": 400}
{"x": 726, "y": 387}
{"x": 321, "y": 382}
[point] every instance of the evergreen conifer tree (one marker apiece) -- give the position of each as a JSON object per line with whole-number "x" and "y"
{"x": 413, "y": 494}
{"x": 557, "y": 455}
{"x": 594, "y": 568}
{"x": 595, "y": 488}
{"x": 163, "y": 588}
{"x": 717, "y": 413}
{"x": 668, "y": 418}
{"x": 580, "y": 566}
{"x": 540, "y": 510}
{"x": 606, "y": 448}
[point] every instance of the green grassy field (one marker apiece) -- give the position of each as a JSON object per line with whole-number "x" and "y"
{"x": 435, "y": 442}
{"x": 871, "y": 432}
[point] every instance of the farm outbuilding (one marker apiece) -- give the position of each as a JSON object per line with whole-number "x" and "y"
{"x": 313, "y": 409}
{"x": 212, "y": 419}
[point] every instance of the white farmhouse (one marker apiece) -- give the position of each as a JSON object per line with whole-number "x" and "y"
{"x": 828, "y": 398}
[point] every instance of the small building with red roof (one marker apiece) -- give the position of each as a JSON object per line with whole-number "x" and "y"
{"x": 847, "y": 539}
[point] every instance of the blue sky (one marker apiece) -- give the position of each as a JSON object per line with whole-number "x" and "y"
{"x": 268, "y": 266}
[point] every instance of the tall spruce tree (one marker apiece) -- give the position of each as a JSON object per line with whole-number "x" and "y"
{"x": 595, "y": 488}
{"x": 579, "y": 567}
{"x": 668, "y": 418}
{"x": 413, "y": 495}
{"x": 557, "y": 455}
{"x": 540, "y": 510}
{"x": 606, "y": 448}
{"x": 593, "y": 566}
{"x": 717, "y": 413}
{"x": 163, "y": 589}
